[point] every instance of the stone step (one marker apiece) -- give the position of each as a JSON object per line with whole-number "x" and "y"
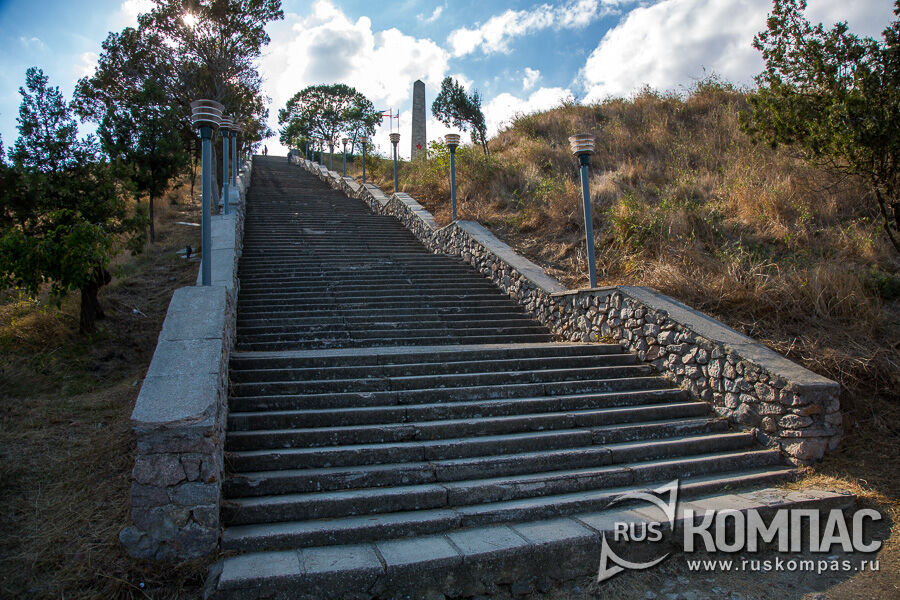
{"x": 376, "y": 331}
{"x": 361, "y": 312}
{"x": 388, "y": 298}
{"x": 422, "y": 354}
{"x": 348, "y": 342}
{"x": 486, "y": 365}
{"x": 361, "y": 328}
{"x": 474, "y": 493}
{"x": 367, "y": 415}
{"x": 336, "y": 319}
{"x": 434, "y": 395}
{"x": 385, "y": 526}
{"x": 439, "y": 380}
{"x": 285, "y": 481}
{"x": 388, "y": 304}
{"x": 417, "y": 451}
{"x": 291, "y": 436}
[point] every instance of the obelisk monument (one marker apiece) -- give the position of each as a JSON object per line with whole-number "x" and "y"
{"x": 418, "y": 119}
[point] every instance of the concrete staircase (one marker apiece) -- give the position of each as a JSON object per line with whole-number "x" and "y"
{"x": 383, "y": 395}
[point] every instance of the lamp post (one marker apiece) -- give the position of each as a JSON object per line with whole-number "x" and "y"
{"x": 452, "y": 140}
{"x": 225, "y": 128}
{"x": 206, "y": 115}
{"x": 364, "y": 140}
{"x": 344, "y": 142}
{"x": 582, "y": 145}
{"x": 395, "y": 139}
{"x": 235, "y": 130}
{"x": 331, "y": 154}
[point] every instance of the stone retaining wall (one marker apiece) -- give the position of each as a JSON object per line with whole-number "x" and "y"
{"x": 180, "y": 413}
{"x": 784, "y": 404}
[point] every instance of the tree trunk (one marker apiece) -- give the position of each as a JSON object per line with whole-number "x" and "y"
{"x": 91, "y": 310}
{"x": 152, "y": 228}
{"x": 195, "y": 150}
{"x": 895, "y": 206}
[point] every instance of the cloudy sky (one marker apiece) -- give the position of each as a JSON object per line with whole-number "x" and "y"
{"x": 522, "y": 56}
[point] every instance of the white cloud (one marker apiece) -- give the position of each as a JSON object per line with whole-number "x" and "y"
{"x": 530, "y": 79}
{"x": 501, "y": 110}
{"x": 327, "y": 47}
{"x": 129, "y": 11}
{"x": 671, "y": 43}
{"x": 497, "y": 32}
{"x": 87, "y": 64}
{"x": 32, "y": 43}
{"x": 434, "y": 15}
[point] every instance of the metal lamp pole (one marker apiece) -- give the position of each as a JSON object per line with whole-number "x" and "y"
{"x": 452, "y": 140}
{"x": 395, "y": 139}
{"x": 582, "y": 145}
{"x": 225, "y": 128}
{"x": 364, "y": 140}
{"x": 344, "y": 142}
{"x": 235, "y": 129}
{"x": 206, "y": 115}
{"x": 331, "y": 154}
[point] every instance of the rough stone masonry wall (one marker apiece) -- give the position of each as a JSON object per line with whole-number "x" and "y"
{"x": 784, "y": 404}
{"x": 180, "y": 414}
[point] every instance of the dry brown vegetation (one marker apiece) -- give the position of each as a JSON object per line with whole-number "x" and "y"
{"x": 66, "y": 448}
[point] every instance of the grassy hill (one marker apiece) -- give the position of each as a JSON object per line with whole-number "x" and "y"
{"x": 685, "y": 202}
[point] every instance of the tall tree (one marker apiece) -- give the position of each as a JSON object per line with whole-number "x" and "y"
{"x": 326, "y": 112}
{"x": 835, "y": 97}
{"x": 455, "y": 107}
{"x": 63, "y": 214}
{"x": 139, "y": 126}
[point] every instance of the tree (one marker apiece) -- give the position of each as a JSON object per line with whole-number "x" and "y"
{"x": 835, "y": 97}
{"x": 139, "y": 126}
{"x": 62, "y": 211}
{"x": 325, "y": 112}
{"x": 456, "y": 108}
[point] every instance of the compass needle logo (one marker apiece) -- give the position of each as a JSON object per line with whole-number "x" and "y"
{"x": 612, "y": 564}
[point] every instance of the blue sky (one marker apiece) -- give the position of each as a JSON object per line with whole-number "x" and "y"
{"x": 522, "y": 56}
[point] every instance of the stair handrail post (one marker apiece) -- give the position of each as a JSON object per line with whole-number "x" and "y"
{"x": 225, "y": 128}
{"x": 452, "y": 141}
{"x": 363, "y": 140}
{"x": 344, "y": 142}
{"x": 206, "y": 116}
{"x": 582, "y": 145}
{"x": 395, "y": 139}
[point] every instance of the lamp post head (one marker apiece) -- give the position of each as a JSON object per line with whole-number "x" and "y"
{"x": 206, "y": 113}
{"x": 582, "y": 143}
{"x": 363, "y": 139}
{"x": 452, "y": 140}
{"x": 344, "y": 142}
{"x": 395, "y": 138}
{"x": 225, "y": 124}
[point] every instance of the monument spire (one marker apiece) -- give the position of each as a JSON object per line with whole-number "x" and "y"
{"x": 419, "y": 141}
